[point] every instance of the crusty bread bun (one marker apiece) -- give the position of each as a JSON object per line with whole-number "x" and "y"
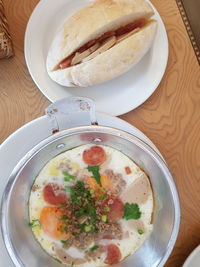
{"x": 100, "y": 42}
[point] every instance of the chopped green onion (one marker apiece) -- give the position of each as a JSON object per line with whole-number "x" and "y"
{"x": 104, "y": 218}
{"x": 140, "y": 232}
{"x": 94, "y": 248}
{"x": 87, "y": 228}
{"x": 106, "y": 209}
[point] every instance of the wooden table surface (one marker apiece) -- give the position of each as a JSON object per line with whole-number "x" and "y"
{"x": 170, "y": 117}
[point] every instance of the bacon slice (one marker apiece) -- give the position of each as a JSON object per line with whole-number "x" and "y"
{"x": 113, "y": 254}
{"x": 53, "y": 194}
{"x": 94, "y": 156}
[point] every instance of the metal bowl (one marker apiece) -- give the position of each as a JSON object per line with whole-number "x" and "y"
{"x": 19, "y": 240}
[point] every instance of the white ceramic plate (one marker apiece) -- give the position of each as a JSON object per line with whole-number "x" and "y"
{"x": 21, "y": 141}
{"x": 194, "y": 258}
{"x": 115, "y": 97}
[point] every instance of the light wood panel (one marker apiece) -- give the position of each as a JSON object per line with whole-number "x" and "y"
{"x": 170, "y": 117}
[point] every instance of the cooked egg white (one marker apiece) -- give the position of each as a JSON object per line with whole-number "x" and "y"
{"x": 117, "y": 161}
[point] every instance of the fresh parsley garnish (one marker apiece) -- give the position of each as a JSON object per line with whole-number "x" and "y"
{"x": 131, "y": 211}
{"x": 95, "y": 172}
{"x": 68, "y": 176}
{"x": 59, "y": 261}
{"x": 34, "y": 223}
{"x": 140, "y": 231}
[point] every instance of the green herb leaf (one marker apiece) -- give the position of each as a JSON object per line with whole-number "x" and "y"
{"x": 140, "y": 232}
{"x": 94, "y": 248}
{"x": 68, "y": 176}
{"x": 34, "y": 223}
{"x": 79, "y": 212}
{"x": 59, "y": 261}
{"x": 95, "y": 172}
{"x": 64, "y": 242}
{"x": 131, "y": 211}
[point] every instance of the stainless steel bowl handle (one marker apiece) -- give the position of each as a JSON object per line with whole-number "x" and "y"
{"x": 67, "y": 106}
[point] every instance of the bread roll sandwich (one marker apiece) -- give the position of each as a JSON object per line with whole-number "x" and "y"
{"x": 100, "y": 42}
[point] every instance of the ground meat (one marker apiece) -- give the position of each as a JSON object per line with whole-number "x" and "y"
{"x": 118, "y": 182}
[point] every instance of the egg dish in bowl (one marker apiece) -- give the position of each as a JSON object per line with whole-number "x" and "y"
{"x": 91, "y": 206}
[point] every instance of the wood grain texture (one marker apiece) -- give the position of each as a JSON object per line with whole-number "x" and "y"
{"x": 20, "y": 100}
{"x": 170, "y": 117}
{"x": 6, "y": 49}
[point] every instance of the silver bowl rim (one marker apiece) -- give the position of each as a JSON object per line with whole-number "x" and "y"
{"x": 80, "y": 130}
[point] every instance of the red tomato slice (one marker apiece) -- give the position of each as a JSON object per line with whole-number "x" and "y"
{"x": 116, "y": 208}
{"x": 52, "y": 224}
{"x": 113, "y": 254}
{"x": 94, "y": 156}
{"x": 54, "y": 195}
